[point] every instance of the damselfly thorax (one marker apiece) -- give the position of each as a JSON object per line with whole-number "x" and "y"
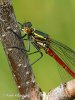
{"x": 41, "y": 39}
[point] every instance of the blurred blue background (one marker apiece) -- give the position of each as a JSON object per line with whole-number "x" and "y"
{"x": 54, "y": 17}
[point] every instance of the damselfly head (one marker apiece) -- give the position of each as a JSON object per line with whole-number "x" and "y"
{"x": 28, "y": 24}
{"x": 27, "y": 27}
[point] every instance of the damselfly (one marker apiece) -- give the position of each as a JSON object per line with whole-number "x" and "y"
{"x": 60, "y": 52}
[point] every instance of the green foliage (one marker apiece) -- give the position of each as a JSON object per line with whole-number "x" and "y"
{"x": 56, "y": 18}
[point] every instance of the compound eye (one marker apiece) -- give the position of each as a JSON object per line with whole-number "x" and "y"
{"x": 28, "y": 24}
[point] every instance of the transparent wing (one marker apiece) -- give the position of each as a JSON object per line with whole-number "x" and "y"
{"x": 65, "y": 53}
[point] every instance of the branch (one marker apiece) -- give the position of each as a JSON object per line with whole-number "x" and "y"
{"x": 18, "y": 60}
{"x": 65, "y": 91}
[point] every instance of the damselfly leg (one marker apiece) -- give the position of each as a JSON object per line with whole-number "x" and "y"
{"x": 15, "y": 33}
{"x": 37, "y": 51}
{"x": 21, "y": 25}
{"x": 21, "y": 37}
{"x": 28, "y": 49}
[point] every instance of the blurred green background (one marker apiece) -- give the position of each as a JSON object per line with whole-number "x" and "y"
{"x": 54, "y": 17}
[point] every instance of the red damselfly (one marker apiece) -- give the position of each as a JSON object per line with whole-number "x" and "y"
{"x": 60, "y": 52}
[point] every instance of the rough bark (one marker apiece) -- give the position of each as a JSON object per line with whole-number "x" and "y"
{"x": 17, "y": 59}
{"x": 65, "y": 91}
{"x": 19, "y": 62}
